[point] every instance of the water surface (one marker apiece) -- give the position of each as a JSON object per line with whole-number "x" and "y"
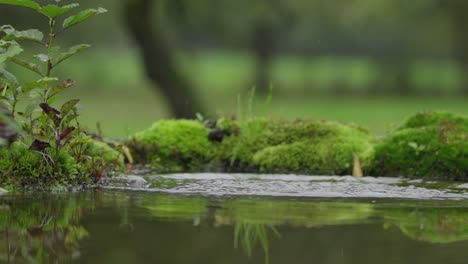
{"x": 115, "y": 226}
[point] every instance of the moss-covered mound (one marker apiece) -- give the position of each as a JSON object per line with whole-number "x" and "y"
{"x": 173, "y": 145}
{"x": 22, "y": 167}
{"x": 311, "y": 147}
{"x": 259, "y": 145}
{"x": 427, "y": 145}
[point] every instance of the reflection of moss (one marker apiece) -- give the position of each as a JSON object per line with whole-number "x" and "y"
{"x": 41, "y": 230}
{"x": 439, "y": 225}
{"x": 297, "y": 213}
{"x": 177, "y": 207}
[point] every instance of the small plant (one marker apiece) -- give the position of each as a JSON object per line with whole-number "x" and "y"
{"x": 251, "y": 124}
{"x": 43, "y": 127}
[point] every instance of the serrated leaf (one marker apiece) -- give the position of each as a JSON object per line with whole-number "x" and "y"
{"x": 68, "y": 106}
{"x": 53, "y": 11}
{"x": 39, "y": 83}
{"x": 72, "y": 51}
{"x": 11, "y": 49}
{"x": 82, "y": 16}
{"x": 28, "y": 65}
{"x": 24, "y": 3}
{"x": 30, "y": 34}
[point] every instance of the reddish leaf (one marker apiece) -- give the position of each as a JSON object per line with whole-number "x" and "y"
{"x": 39, "y": 145}
{"x": 52, "y": 113}
{"x": 66, "y": 132}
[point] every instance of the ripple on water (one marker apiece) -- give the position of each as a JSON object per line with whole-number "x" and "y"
{"x": 215, "y": 184}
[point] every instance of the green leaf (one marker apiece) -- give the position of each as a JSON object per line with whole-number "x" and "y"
{"x": 54, "y": 53}
{"x": 68, "y": 106}
{"x": 58, "y": 88}
{"x": 28, "y": 65}
{"x": 53, "y": 11}
{"x": 24, "y": 3}
{"x": 30, "y": 108}
{"x": 30, "y": 34}
{"x": 42, "y": 57}
{"x": 72, "y": 51}
{"x": 39, "y": 83}
{"x": 82, "y": 16}
{"x": 12, "y": 50}
{"x": 10, "y": 77}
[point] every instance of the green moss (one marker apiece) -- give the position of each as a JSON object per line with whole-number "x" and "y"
{"x": 20, "y": 166}
{"x": 312, "y": 147}
{"x": 428, "y": 145}
{"x": 229, "y": 125}
{"x": 111, "y": 158}
{"x": 426, "y": 119}
{"x": 174, "y": 145}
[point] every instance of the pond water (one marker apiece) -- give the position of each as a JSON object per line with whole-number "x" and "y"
{"x": 178, "y": 222}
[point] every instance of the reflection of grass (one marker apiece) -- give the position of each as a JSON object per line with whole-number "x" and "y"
{"x": 296, "y": 213}
{"x": 249, "y": 234}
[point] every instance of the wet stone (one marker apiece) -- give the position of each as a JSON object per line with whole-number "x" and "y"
{"x": 130, "y": 181}
{"x": 218, "y": 184}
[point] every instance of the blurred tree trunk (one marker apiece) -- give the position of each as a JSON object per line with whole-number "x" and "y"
{"x": 263, "y": 47}
{"x": 158, "y": 58}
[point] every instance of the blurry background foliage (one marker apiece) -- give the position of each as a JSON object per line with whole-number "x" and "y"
{"x": 367, "y": 61}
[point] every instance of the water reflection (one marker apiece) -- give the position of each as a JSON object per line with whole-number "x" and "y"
{"x": 120, "y": 227}
{"x": 40, "y": 230}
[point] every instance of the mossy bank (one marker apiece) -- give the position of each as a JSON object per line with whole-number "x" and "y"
{"x": 24, "y": 168}
{"x": 312, "y": 147}
{"x": 429, "y": 145}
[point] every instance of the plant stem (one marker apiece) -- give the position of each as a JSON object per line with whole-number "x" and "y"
{"x": 49, "y": 45}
